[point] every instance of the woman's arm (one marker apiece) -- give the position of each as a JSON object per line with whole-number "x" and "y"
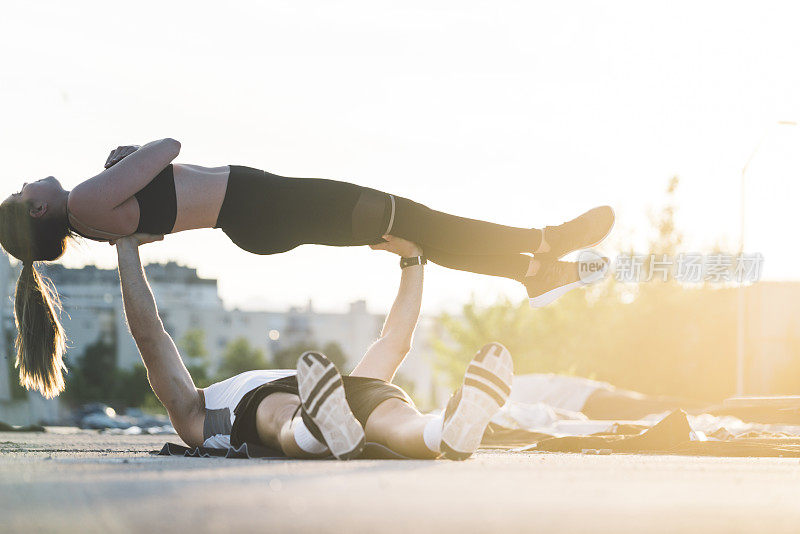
{"x": 112, "y": 187}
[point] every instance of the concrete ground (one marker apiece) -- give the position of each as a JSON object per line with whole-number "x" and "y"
{"x": 91, "y": 482}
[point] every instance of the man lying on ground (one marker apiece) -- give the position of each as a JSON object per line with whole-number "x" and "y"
{"x": 314, "y": 412}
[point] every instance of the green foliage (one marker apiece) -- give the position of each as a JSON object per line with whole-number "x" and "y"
{"x": 193, "y": 344}
{"x": 192, "y": 347}
{"x": 667, "y": 238}
{"x": 286, "y": 358}
{"x": 461, "y": 336}
{"x": 239, "y": 357}
{"x": 656, "y": 337}
{"x": 668, "y": 340}
{"x": 152, "y": 405}
{"x": 95, "y": 378}
{"x": 132, "y": 386}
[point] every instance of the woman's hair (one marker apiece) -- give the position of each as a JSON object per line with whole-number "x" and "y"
{"x": 40, "y": 340}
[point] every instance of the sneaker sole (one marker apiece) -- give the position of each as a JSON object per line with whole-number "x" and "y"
{"x": 322, "y": 394}
{"x": 487, "y": 385}
{"x": 540, "y": 301}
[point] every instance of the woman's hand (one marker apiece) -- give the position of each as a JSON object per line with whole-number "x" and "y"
{"x": 120, "y": 153}
{"x": 137, "y": 239}
{"x": 398, "y": 245}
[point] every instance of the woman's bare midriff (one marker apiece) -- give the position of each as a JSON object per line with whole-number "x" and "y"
{"x": 200, "y": 192}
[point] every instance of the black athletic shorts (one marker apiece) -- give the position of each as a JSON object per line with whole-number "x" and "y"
{"x": 363, "y": 395}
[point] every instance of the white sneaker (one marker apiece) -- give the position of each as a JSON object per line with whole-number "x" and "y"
{"x": 486, "y": 387}
{"x": 325, "y": 405}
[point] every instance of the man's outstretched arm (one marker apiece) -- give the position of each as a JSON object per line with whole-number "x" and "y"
{"x": 168, "y": 376}
{"x": 384, "y": 357}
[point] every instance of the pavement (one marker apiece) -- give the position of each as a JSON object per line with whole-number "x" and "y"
{"x": 92, "y": 482}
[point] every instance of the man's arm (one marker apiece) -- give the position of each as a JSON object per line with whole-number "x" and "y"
{"x": 384, "y": 357}
{"x": 168, "y": 376}
{"x": 138, "y": 301}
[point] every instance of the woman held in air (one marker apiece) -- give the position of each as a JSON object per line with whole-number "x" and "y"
{"x": 142, "y": 191}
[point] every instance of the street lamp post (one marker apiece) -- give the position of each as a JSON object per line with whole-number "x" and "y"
{"x": 742, "y": 304}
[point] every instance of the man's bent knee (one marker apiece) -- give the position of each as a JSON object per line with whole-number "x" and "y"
{"x": 273, "y": 412}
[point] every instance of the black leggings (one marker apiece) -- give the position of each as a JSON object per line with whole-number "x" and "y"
{"x": 268, "y": 214}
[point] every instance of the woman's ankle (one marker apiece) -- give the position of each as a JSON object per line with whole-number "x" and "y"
{"x": 533, "y": 268}
{"x": 543, "y": 246}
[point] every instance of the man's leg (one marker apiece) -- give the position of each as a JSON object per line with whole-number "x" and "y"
{"x": 394, "y": 423}
{"x": 400, "y": 427}
{"x": 456, "y": 433}
{"x": 278, "y": 427}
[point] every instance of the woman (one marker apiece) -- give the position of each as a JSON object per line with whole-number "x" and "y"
{"x": 142, "y": 191}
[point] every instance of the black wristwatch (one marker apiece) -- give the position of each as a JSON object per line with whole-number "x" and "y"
{"x": 414, "y": 260}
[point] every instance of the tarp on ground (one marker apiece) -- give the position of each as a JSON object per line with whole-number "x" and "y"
{"x": 672, "y": 435}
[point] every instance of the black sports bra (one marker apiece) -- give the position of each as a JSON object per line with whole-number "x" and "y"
{"x": 158, "y": 208}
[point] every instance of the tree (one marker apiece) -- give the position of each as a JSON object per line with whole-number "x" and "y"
{"x": 286, "y": 358}
{"x": 96, "y": 378}
{"x": 193, "y": 344}
{"x": 239, "y": 357}
{"x": 667, "y": 238}
{"x": 654, "y": 337}
{"x": 132, "y": 386}
{"x": 193, "y": 351}
{"x": 93, "y": 377}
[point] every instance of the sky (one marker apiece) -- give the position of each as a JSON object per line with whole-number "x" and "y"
{"x": 523, "y": 113}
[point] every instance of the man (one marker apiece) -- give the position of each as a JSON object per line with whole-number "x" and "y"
{"x": 314, "y": 412}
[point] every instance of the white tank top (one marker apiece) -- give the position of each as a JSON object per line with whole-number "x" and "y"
{"x": 223, "y": 397}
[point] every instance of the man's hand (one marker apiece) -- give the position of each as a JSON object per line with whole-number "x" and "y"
{"x": 120, "y": 153}
{"x": 137, "y": 239}
{"x": 399, "y": 246}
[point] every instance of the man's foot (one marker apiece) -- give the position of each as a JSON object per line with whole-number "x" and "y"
{"x": 486, "y": 387}
{"x": 325, "y": 406}
{"x": 584, "y": 231}
{"x": 554, "y": 279}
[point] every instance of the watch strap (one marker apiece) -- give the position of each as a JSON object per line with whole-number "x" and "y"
{"x": 413, "y": 260}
